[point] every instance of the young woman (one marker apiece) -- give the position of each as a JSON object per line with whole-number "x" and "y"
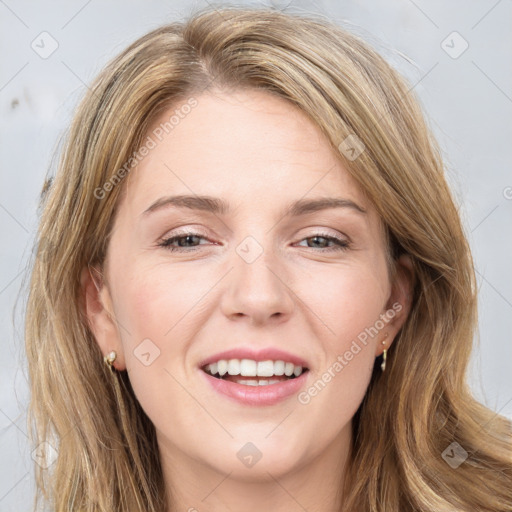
{"x": 252, "y": 289}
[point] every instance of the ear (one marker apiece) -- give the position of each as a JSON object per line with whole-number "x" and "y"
{"x": 98, "y": 309}
{"x": 399, "y": 303}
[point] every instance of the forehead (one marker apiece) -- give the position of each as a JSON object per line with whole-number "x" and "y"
{"x": 242, "y": 145}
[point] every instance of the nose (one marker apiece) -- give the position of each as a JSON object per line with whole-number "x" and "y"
{"x": 257, "y": 291}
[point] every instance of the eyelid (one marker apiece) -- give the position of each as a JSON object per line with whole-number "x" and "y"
{"x": 166, "y": 239}
{"x": 186, "y": 231}
{"x": 341, "y": 243}
{"x": 323, "y": 231}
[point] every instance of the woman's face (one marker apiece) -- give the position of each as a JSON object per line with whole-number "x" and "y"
{"x": 222, "y": 245}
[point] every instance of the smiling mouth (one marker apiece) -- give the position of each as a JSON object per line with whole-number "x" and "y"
{"x": 254, "y": 373}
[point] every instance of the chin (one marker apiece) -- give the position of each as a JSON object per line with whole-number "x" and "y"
{"x": 254, "y": 457}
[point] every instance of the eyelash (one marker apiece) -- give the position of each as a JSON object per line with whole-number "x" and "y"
{"x": 342, "y": 245}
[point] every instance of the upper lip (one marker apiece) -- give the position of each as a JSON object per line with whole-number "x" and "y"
{"x": 265, "y": 354}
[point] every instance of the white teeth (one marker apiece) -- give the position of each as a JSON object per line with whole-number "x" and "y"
{"x": 248, "y": 382}
{"x": 222, "y": 367}
{"x": 265, "y": 368}
{"x": 248, "y": 368}
{"x": 261, "y": 382}
{"x": 251, "y": 368}
{"x": 279, "y": 368}
{"x": 234, "y": 367}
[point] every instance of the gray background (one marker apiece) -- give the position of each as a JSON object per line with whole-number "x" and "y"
{"x": 468, "y": 100}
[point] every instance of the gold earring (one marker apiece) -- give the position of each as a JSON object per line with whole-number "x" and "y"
{"x": 110, "y": 358}
{"x": 384, "y": 354}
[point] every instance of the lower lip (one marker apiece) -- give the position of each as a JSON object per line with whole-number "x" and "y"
{"x": 257, "y": 395}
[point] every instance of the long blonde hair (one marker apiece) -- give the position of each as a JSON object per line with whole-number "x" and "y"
{"x": 411, "y": 414}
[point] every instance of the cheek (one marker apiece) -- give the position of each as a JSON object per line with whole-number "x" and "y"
{"x": 349, "y": 305}
{"x": 156, "y": 312}
{"x": 347, "y": 301}
{"x": 163, "y": 311}
{"x": 156, "y": 300}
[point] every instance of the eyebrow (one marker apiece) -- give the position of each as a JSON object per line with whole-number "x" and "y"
{"x": 218, "y": 206}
